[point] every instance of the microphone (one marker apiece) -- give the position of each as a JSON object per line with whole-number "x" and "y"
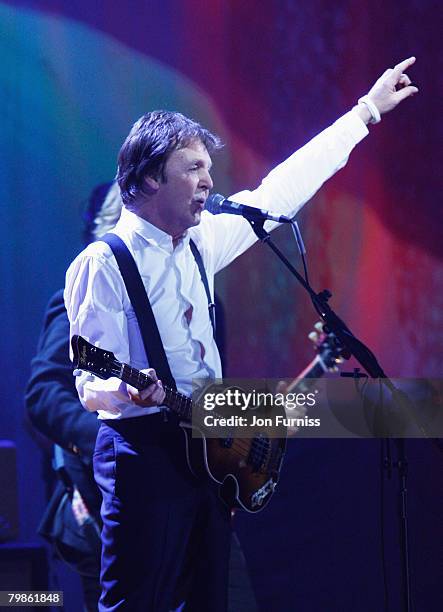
{"x": 216, "y": 204}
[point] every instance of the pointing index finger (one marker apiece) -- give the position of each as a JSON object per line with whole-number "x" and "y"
{"x": 404, "y": 65}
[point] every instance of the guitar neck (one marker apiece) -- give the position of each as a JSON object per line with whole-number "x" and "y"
{"x": 104, "y": 364}
{"x": 177, "y": 402}
{"x": 303, "y": 382}
{"x": 182, "y": 405}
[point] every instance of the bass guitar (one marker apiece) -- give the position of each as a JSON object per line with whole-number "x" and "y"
{"x": 246, "y": 469}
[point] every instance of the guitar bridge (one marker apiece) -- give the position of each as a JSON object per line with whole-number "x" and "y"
{"x": 259, "y": 496}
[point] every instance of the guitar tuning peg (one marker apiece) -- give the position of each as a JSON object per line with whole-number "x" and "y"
{"x": 88, "y": 377}
{"x": 313, "y": 336}
{"x": 319, "y": 326}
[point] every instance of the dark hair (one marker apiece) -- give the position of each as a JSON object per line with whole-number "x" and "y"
{"x": 149, "y": 143}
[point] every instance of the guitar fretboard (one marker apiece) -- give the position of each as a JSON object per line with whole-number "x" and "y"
{"x": 179, "y": 403}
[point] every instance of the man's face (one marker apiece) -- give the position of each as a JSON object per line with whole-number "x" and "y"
{"x": 180, "y": 199}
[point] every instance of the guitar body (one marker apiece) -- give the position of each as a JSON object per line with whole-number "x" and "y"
{"x": 247, "y": 470}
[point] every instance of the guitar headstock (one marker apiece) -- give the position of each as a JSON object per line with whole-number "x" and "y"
{"x": 93, "y": 359}
{"x": 328, "y": 346}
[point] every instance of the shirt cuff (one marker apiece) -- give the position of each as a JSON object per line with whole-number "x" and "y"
{"x": 354, "y": 125}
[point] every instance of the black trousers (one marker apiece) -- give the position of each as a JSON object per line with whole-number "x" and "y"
{"x": 166, "y": 535}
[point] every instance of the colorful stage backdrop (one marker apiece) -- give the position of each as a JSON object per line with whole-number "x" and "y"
{"x": 267, "y": 76}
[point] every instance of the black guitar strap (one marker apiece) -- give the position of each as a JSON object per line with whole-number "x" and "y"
{"x": 142, "y": 307}
{"x": 201, "y": 267}
{"x": 152, "y": 342}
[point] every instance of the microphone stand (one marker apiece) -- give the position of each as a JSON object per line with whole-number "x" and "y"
{"x": 368, "y": 360}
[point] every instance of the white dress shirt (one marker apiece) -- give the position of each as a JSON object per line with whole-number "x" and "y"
{"x": 98, "y": 305}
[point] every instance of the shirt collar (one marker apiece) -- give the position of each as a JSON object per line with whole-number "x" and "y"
{"x": 152, "y": 234}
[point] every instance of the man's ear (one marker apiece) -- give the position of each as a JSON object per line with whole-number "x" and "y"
{"x": 151, "y": 184}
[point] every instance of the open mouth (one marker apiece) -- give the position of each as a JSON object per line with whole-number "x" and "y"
{"x": 199, "y": 204}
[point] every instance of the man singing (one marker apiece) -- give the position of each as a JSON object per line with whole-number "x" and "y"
{"x": 165, "y": 532}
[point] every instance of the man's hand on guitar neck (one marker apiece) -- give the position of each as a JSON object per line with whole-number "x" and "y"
{"x": 153, "y": 395}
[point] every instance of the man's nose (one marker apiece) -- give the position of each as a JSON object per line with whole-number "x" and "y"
{"x": 206, "y": 180}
